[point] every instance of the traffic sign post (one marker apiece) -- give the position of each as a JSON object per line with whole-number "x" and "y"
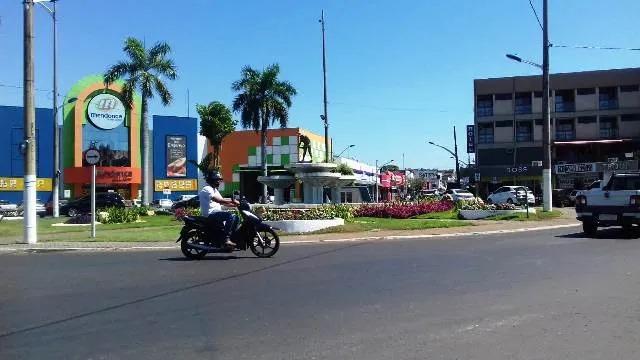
{"x": 92, "y": 157}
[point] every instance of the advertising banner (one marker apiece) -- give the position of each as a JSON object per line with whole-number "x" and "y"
{"x": 176, "y": 185}
{"x": 17, "y": 184}
{"x": 471, "y": 139}
{"x": 176, "y": 156}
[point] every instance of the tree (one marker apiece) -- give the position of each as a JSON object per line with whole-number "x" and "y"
{"x": 145, "y": 71}
{"x": 389, "y": 167}
{"x": 216, "y": 122}
{"x": 262, "y": 100}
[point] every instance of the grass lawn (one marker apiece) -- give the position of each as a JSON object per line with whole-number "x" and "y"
{"x": 154, "y": 228}
{"x": 539, "y": 215}
{"x": 364, "y": 224}
{"x": 444, "y": 215}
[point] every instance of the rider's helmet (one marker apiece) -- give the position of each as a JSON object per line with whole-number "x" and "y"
{"x": 212, "y": 177}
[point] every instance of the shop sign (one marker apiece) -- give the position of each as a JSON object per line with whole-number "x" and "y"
{"x": 176, "y": 156}
{"x": 114, "y": 176}
{"x": 106, "y": 111}
{"x": 17, "y": 184}
{"x": 517, "y": 169}
{"x": 575, "y": 168}
{"x": 617, "y": 166}
{"x": 176, "y": 185}
{"x": 471, "y": 139}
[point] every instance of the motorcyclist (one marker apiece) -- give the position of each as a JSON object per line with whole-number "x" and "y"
{"x": 211, "y": 206}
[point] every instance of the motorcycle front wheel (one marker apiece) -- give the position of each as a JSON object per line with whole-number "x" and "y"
{"x": 189, "y": 251}
{"x": 265, "y": 243}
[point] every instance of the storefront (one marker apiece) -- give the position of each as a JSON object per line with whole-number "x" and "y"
{"x": 580, "y": 175}
{"x": 493, "y": 177}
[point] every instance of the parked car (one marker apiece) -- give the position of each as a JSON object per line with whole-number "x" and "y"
{"x": 83, "y": 204}
{"x": 510, "y": 194}
{"x": 184, "y": 197}
{"x": 561, "y": 197}
{"x": 617, "y": 203}
{"x": 163, "y": 204}
{"x": 431, "y": 193}
{"x": 459, "y": 194}
{"x": 49, "y": 205}
{"x": 41, "y": 210}
{"x": 572, "y": 196}
{"x": 194, "y": 202}
{"x": 8, "y": 209}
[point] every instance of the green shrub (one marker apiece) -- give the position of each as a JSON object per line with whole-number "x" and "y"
{"x": 118, "y": 215}
{"x": 343, "y": 169}
{"x": 326, "y": 212}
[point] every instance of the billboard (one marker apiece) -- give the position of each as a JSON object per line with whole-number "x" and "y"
{"x": 176, "y": 156}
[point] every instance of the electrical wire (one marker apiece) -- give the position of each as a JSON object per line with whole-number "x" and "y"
{"x": 594, "y": 47}
{"x": 22, "y": 87}
{"x": 536, "y": 14}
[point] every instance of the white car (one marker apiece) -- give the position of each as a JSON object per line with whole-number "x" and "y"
{"x": 41, "y": 210}
{"x": 185, "y": 197}
{"x": 8, "y": 209}
{"x": 164, "y": 204}
{"x": 509, "y": 195}
{"x": 459, "y": 194}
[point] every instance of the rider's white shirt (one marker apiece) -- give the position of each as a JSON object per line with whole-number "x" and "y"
{"x": 207, "y": 205}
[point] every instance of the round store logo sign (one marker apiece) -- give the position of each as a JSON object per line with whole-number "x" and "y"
{"x": 106, "y": 111}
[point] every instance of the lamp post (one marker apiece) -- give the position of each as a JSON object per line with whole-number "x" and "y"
{"x": 30, "y": 234}
{"x": 377, "y": 175}
{"x": 56, "y": 129}
{"x": 325, "y": 116}
{"x": 453, "y": 153}
{"x": 345, "y": 149}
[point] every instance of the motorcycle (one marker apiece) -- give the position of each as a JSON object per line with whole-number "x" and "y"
{"x": 198, "y": 237}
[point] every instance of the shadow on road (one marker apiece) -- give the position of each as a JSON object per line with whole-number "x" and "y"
{"x": 613, "y": 233}
{"x": 218, "y": 257}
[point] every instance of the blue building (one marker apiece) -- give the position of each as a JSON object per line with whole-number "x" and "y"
{"x": 12, "y": 164}
{"x": 175, "y": 141}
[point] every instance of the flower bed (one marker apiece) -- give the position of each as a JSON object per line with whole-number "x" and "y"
{"x": 327, "y": 212}
{"x": 403, "y": 210}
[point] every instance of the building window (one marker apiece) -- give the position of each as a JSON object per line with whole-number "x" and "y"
{"x": 586, "y": 91}
{"x": 537, "y": 94}
{"x": 587, "y": 119}
{"x": 485, "y": 133}
{"x": 539, "y": 122}
{"x": 484, "y": 105}
{"x": 608, "y": 98}
{"x": 565, "y": 101}
{"x": 565, "y": 129}
{"x": 504, "y": 123}
{"x": 630, "y": 117}
{"x": 524, "y": 132}
{"x": 112, "y": 144}
{"x": 346, "y": 196}
{"x": 523, "y": 103}
{"x": 629, "y": 88}
{"x": 608, "y": 127}
{"x": 505, "y": 96}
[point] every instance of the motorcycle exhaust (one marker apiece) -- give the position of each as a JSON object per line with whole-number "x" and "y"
{"x": 204, "y": 247}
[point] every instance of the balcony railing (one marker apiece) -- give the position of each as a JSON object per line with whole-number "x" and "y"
{"x": 608, "y": 104}
{"x": 565, "y": 107}
{"x": 609, "y": 133}
{"x": 566, "y": 135}
{"x": 523, "y": 109}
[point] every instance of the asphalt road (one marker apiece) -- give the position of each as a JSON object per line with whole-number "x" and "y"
{"x": 538, "y": 295}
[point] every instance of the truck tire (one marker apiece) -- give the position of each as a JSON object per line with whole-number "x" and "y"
{"x": 589, "y": 228}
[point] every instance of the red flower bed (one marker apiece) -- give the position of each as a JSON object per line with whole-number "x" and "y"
{"x": 398, "y": 210}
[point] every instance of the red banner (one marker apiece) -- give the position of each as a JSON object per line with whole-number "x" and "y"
{"x": 104, "y": 175}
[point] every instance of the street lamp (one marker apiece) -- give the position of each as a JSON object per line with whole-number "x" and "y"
{"x": 521, "y": 60}
{"x": 345, "y": 149}
{"x": 454, "y": 153}
{"x": 377, "y": 174}
{"x": 56, "y": 129}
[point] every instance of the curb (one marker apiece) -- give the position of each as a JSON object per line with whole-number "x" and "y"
{"x": 295, "y": 242}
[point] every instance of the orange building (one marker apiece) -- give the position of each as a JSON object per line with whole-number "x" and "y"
{"x": 240, "y": 158}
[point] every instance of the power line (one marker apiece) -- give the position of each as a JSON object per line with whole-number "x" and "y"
{"x": 536, "y": 14}
{"x": 384, "y": 108}
{"x": 594, "y": 47}
{"x": 22, "y": 87}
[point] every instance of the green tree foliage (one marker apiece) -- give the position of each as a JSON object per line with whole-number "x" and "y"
{"x": 216, "y": 122}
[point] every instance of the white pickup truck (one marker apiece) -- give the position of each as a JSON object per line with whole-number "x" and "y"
{"x": 616, "y": 203}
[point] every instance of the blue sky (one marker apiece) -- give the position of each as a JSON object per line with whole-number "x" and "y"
{"x": 399, "y": 72}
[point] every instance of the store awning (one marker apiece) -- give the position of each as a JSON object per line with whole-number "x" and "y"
{"x": 584, "y": 142}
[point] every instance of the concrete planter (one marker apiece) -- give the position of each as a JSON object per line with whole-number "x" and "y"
{"x": 481, "y": 214}
{"x": 303, "y": 226}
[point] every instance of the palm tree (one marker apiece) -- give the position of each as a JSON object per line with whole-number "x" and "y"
{"x": 145, "y": 71}
{"x": 216, "y": 123}
{"x": 262, "y": 101}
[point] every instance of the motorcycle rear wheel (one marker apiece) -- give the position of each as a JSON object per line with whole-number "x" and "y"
{"x": 268, "y": 246}
{"x": 189, "y": 251}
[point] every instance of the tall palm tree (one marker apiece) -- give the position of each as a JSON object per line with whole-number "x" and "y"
{"x": 144, "y": 71}
{"x": 216, "y": 122}
{"x": 262, "y": 101}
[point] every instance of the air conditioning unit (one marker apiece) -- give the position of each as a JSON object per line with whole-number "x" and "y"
{"x": 536, "y": 163}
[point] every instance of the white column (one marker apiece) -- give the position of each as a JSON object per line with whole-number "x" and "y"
{"x": 278, "y": 194}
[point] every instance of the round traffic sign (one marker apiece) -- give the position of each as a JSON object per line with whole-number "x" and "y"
{"x": 92, "y": 156}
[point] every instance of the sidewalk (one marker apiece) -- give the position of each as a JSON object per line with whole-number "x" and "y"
{"x": 478, "y": 227}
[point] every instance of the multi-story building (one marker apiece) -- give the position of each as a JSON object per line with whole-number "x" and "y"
{"x": 595, "y": 127}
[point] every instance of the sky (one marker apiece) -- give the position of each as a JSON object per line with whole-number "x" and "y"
{"x": 399, "y": 73}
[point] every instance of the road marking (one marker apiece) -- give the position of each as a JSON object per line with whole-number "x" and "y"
{"x": 302, "y": 242}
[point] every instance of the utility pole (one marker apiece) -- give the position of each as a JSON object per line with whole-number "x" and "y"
{"x": 325, "y": 117}
{"x": 455, "y": 151}
{"x": 29, "y": 145}
{"x": 56, "y": 128}
{"x": 546, "y": 121}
